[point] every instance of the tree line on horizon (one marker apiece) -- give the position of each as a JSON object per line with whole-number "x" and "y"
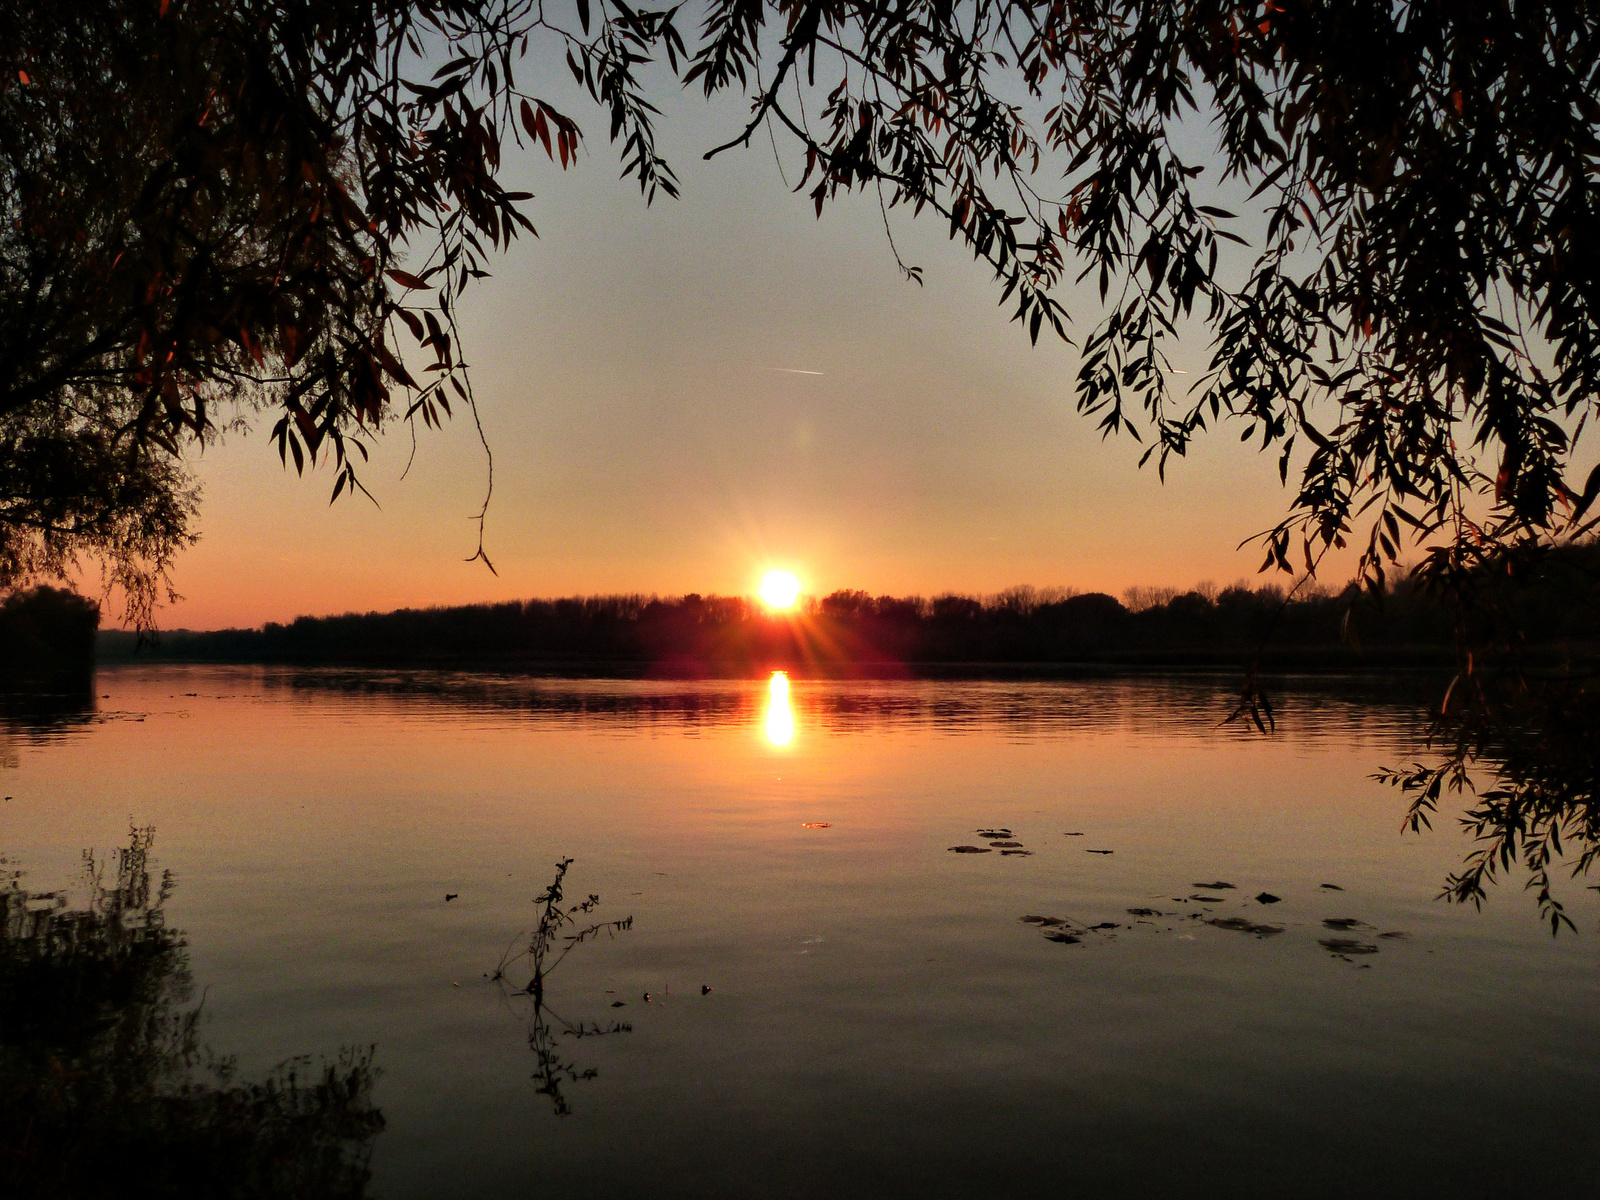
{"x": 852, "y": 627}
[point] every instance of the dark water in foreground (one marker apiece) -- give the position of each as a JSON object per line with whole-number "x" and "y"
{"x": 879, "y": 1021}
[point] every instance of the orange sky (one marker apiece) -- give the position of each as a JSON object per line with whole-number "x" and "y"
{"x": 637, "y": 371}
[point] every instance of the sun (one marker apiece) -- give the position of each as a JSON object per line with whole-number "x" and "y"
{"x": 780, "y": 589}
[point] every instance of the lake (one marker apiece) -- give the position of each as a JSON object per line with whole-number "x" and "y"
{"x": 880, "y": 1018}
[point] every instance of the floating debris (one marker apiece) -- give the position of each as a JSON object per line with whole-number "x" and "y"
{"x": 1218, "y": 886}
{"x": 1268, "y": 898}
{"x": 449, "y": 896}
{"x": 969, "y": 849}
{"x": 1099, "y": 851}
{"x": 1245, "y": 925}
{"x": 1344, "y": 923}
{"x": 705, "y": 989}
{"x": 1066, "y": 939}
{"x": 1332, "y": 887}
{"x": 1024, "y": 853}
{"x": 1144, "y": 912}
{"x": 816, "y": 824}
{"x": 1348, "y": 946}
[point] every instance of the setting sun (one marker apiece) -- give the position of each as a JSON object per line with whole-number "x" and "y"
{"x": 780, "y": 589}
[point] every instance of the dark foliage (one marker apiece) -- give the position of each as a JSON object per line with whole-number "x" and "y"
{"x": 105, "y": 1090}
{"x": 47, "y": 632}
{"x": 1413, "y": 323}
{"x": 695, "y": 634}
{"x": 71, "y": 485}
{"x": 214, "y": 209}
{"x": 1524, "y": 749}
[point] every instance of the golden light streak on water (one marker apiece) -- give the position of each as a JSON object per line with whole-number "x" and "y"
{"x": 780, "y": 716}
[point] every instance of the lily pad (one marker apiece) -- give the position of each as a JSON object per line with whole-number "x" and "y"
{"x": 1072, "y": 835}
{"x": 1207, "y": 899}
{"x": 1106, "y": 925}
{"x": 1395, "y": 935}
{"x": 1348, "y": 946}
{"x": 1332, "y": 887}
{"x": 969, "y": 849}
{"x": 1006, "y": 845}
{"x": 1245, "y": 925}
{"x": 1342, "y": 923}
{"x": 1268, "y": 898}
{"x": 1031, "y": 919}
{"x": 994, "y": 833}
{"x": 1066, "y": 939}
{"x": 1099, "y": 851}
{"x": 1144, "y": 912}
{"x": 1009, "y": 853}
{"x": 1218, "y": 886}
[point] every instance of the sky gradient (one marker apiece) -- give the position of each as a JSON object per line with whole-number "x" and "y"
{"x": 639, "y": 372}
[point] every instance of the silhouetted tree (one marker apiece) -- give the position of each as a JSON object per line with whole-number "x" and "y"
{"x": 211, "y": 209}
{"x": 47, "y": 631}
{"x": 214, "y": 209}
{"x": 698, "y": 634}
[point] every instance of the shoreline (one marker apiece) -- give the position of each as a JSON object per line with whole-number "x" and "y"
{"x": 1410, "y": 662}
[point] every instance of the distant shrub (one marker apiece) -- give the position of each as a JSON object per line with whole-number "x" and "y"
{"x": 47, "y": 630}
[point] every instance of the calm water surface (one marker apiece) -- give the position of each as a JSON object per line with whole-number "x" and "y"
{"x": 880, "y": 1021}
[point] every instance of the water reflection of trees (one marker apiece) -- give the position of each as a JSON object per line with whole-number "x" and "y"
{"x": 546, "y": 949}
{"x": 1157, "y": 703}
{"x": 105, "y": 1087}
{"x": 36, "y": 713}
{"x": 1527, "y": 752}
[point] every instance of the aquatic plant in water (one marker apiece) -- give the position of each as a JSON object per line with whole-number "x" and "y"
{"x": 105, "y": 1087}
{"x": 547, "y": 948}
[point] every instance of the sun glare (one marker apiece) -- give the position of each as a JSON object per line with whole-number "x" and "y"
{"x": 780, "y": 717}
{"x": 780, "y": 589}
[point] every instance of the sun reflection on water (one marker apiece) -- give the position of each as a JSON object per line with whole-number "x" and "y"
{"x": 780, "y": 717}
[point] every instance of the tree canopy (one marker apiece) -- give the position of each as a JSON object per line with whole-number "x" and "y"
{"x": 221, "y": 212}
